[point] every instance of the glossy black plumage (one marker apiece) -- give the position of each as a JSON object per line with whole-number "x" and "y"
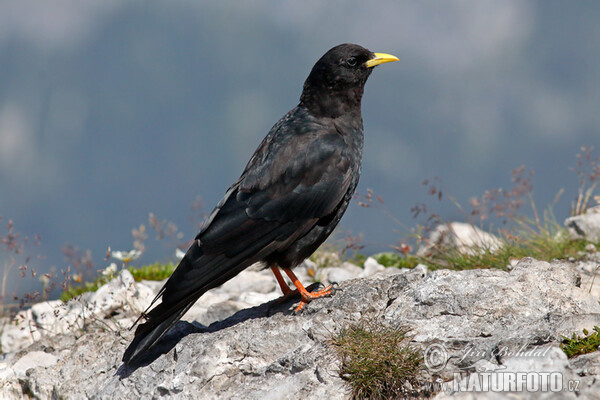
{"x": 291, "y": 195}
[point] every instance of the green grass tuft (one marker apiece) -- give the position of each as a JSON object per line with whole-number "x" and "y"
{"x": 543, "y": 245}
{"x": 578, "y": 345}
{"x": 153, "y": 272}
{"x": 377, "y": 362}
{"x": 390, "y": 259}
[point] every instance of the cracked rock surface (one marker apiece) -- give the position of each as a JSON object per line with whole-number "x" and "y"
{"x": 267, "y": 352}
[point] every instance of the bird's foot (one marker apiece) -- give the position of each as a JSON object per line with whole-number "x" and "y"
{"x": 290, "y": 294}
{"x": 307, "y": 296}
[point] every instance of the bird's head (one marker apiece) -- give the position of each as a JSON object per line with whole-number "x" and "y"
{"x": 337, "y": 80}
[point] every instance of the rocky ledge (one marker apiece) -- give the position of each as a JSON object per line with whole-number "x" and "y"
{"x": 466, "y": 322}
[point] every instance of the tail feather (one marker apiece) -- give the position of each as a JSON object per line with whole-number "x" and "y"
{"x": 166, "y": 314}
{"x": 147, "y": 334}
{"x": 195, "y": 275}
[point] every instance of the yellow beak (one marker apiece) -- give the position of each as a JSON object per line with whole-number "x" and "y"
{"x": 380, "y": 58}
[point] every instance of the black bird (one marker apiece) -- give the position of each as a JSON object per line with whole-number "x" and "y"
{"x": 288, "y": 200}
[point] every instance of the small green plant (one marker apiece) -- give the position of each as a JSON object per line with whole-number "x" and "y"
{"x": 358, "y": 259}
{"x": 389, "y": 259}
{"x": 545, "y": 244}
{"x": 377, "y": 361}
{"x": 539, "y": 246}
{"x": 578, "y": 345}
{"x": 153, "y": 272}
{"x": 539, "y": 236}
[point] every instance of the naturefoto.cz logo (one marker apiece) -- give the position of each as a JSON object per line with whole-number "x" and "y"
{"x": 499, "y": 381}
{"x": 480, "y": 372}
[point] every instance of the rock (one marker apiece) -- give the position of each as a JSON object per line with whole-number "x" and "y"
{"x": 34, "y": 359}
{"x": 586, "y": 368}
{"x": 19, "y": 333}
{"x": 343, "y": 273}
{"x": 109, "y": 303}
{"x": 253, "y": 299}
{"x": 590, "y": 248}
{"x": 120, "y": 295}
{"x": 199, "y": 310}
{"x": 549, "y": 365}
{"x": 371, "y": 267}
{"x": 491, "y": 315}
{"x": 353, "y": 268}
{"x": 219, "y": 311}
{"x": 47, "y": 316}
{"x": 465, "y": 238}
{"x": 478, "y": 303}
{"x": 417, "y": 272}
{"x": 585, "y": 226}
{"x": 478, "y": 321}
{"x": 589, "y": 270}
{"x": 338, "y": 274}
{"x": 252, "y": 281}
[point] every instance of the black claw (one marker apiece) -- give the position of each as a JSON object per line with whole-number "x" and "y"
{"x": 315, "y": 287}
{"x": 298, "y": 312}
{"x": 335, "y": 287}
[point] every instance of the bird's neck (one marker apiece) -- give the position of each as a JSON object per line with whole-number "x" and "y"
{"x": 332, "y": 103}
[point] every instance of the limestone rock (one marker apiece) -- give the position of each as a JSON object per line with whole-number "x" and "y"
{"x": 254, "y": 281}
{"x": 465, "y": 238}
{"x": 480, "y": 320}
{"x": 34, "y": 359}
{"x": 115, "y": 303}
{"x": 19, "y": 333}
{"x": 586, "y": 226}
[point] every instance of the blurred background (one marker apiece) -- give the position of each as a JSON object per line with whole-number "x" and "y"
{"x": 111, "y": 110}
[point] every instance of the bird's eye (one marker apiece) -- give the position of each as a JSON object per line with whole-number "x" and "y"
{"x": 351, "y": 61}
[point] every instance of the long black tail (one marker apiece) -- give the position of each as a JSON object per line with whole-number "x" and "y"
{"x": 195, "y": 275}
{"x": 147, "y": 334}
{"x": 176, "y": 300}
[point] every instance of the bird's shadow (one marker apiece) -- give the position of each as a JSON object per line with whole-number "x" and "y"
{"x": 183, "y": 328}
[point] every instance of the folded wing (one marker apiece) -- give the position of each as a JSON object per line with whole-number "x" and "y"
{"x": 298, "y": 176}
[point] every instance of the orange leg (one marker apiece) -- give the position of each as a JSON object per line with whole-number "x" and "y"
{"x": 307, "y": 296}
{"x": 284, "y": 287}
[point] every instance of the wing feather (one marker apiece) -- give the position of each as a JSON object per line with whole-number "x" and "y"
{"x": 299, "y": 175}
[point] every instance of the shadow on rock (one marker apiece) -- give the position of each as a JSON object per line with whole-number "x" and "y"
{"x": 164, "y": 345}
{"x": 184, "y": 328}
